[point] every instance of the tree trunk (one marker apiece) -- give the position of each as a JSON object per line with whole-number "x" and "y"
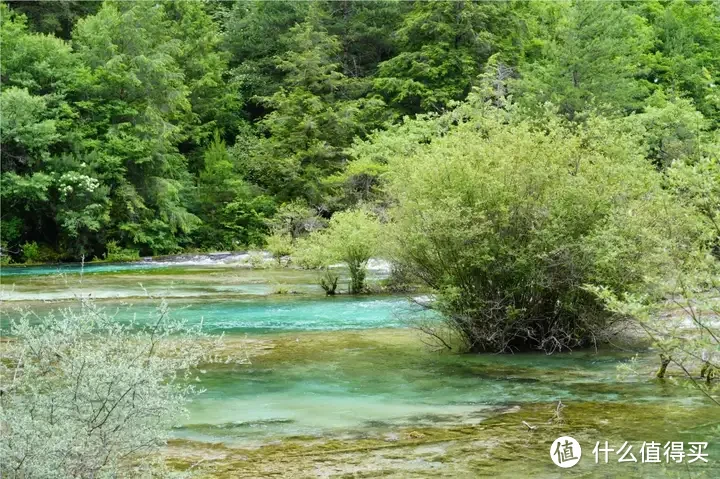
{"x": 664, "y": 362}
{"x": 357, "y": 278}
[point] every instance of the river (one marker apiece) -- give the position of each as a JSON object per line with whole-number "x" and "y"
{"x": 347, "y": 387}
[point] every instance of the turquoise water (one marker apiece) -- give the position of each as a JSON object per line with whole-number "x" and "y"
{"x": 76, "y": 268}
{"x": 302, "y": 314}
{"x": 269, "y": 314}
{"x": 350, "y": 368}
{"x": 373, "y": 389}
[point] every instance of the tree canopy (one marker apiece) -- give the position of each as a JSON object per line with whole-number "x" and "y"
{"x": 167, "y": 126}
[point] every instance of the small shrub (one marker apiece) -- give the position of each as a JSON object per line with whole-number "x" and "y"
{"x": 116, "y": 254}
{"x": 329, "y": 282}
{"x": 5, "y": 257}
{"x": 399, "y": 281}
{"x": 84, "y": 395}
{"x": 280, "y": 245}
{"x": 256, "y": 260}
{"x": 31, "y": 252}
{"x": 34, "y": 253}
{"x": 352, "y": 237}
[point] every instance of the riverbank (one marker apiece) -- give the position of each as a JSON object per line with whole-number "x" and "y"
{"x": 379, "y": 403}
{"x": 257, "y": 259}
{"x": 499, "y": 446}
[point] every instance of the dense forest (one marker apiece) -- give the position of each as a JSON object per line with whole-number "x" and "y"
{"x": 158, "y": 127}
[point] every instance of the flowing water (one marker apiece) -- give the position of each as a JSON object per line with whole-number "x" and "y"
{"x": 346, "y": 386}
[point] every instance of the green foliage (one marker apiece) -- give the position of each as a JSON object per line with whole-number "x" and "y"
{"x": 24, "y": 123}
{"x": 55, "y": 16}
{"x": 280, "y": 244}
{"x": 352, "y": 237}
{"x": 312, "y": 118}
{"x": 509, "y": 223}
{"x": 329, "y": 281}
{"x": 684, "y": 58}
{"x": 366, "y": 31}
{"x": 697, "y": 184}
{"x": 5, "y": 257}
{"x": 591, "y": 57}
{"x": 296, "y": 219}
{"x": 31, "y": 252}
{"x": 247, "y": 216}
{"x": 687, "y": 338}
{"x": 43, "y": 64}
{"x": 256, "y": 260}
{"x": 364, "y": 179}
{"x": 254, "y": 38}
{"x": 672, "y": 129}
{"x": 35, "y": 253}
{"x": 442, "y": 48}
{"x": 167, "y": 126}
{"x": 138, "y": 100}
{"x": 117, "y": 254}
{"x": 233, "y": 212}
{"x": 83, "y": 392}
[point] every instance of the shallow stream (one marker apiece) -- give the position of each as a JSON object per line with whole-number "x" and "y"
{"x": 347, "y": 387}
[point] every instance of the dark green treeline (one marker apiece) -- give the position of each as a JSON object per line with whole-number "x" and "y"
{"x": 166, "y": 126}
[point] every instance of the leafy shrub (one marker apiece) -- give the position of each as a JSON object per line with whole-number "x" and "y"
{"x": 509, "y": 223}
{"x": 117, "y": 254}
{"x": 31, "y": 252}
{"x": 329, "y": 281}
{"x": 697, "y": 184}
{"x": 281, "y": 290}
{"x": 85, "y": 395}
{"x": 256, "y": 259}
{"x": 280, "y": 245}
{"x": 35, "y": 253}
{"x": 5, "y": 257}
{"x": 399, "y": 280}
{"x": 352, "y": 237}
{"x": 687, "y": 339}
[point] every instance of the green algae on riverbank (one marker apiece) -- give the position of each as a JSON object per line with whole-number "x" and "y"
{"x": 170, "y": 281}
{"x": 380, "y": 403}
{"x": 500, "y": 446}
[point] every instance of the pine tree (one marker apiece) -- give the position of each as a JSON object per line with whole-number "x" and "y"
{"x": 591, "y": 58}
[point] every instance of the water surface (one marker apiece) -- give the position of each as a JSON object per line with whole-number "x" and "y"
{"x": 354, "y": 370}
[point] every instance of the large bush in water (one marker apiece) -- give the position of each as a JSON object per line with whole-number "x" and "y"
{"x": 510, "y": 222}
